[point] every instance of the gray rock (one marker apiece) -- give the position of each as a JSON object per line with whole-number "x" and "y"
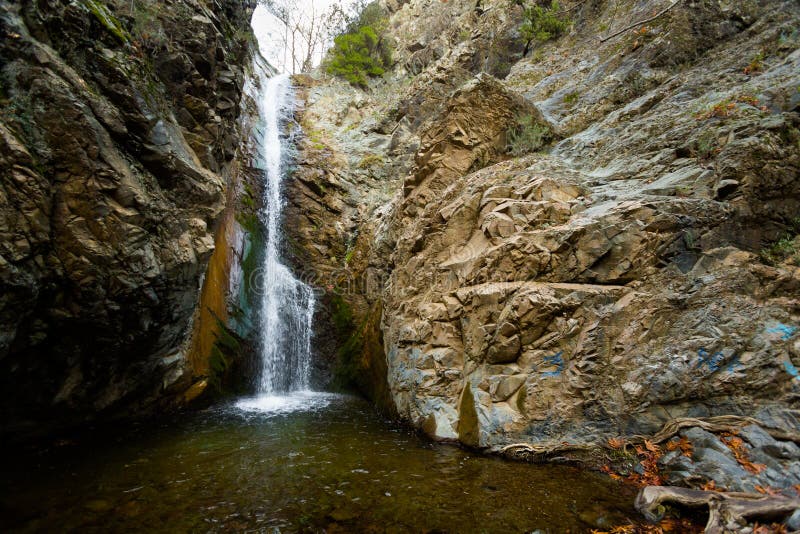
{"x": 763, "y": 442}
{"x": 793, "y": 521}
{"x": 625, "y": 256}
{"x": 702, "y": 440}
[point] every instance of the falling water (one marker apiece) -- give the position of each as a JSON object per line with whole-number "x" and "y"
{"x": 287, "y": 304}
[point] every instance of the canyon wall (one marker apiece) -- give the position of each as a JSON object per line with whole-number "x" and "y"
{"x": 637, "y": 264}
{"x": 120, "y": 128}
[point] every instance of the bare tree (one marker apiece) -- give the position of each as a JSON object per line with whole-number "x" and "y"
{"x": 308, "y": 29}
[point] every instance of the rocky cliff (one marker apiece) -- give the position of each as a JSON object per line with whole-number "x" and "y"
{"x": 569, "y": 241}
{"x": 119, "y": 128}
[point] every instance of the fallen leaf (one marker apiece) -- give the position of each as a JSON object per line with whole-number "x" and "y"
{"x": 652, "y": 447}
{"x": 616, "y": 443}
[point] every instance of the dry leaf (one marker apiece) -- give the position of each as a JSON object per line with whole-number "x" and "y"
{"x": 616, "y": 443}
{"x": 652, "y": 447}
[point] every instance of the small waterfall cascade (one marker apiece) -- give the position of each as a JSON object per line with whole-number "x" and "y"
{"x": 287, "y": 304}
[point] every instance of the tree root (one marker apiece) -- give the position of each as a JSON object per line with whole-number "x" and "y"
{"x": 545, "y": 450}
{"x": 726, "y": 510}
{"x": 722, "y": 423}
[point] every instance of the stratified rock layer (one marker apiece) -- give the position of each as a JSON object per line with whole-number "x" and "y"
{"x": 118, "y": 122}
{"x": 617, "y": 280}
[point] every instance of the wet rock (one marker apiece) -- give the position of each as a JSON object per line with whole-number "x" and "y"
{"x": 764, "y": 444}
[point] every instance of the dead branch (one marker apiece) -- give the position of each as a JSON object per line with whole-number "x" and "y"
{"x": 724, "y": 508}
{"x": 573, "y": 8}
{"x": 639, "y": 23}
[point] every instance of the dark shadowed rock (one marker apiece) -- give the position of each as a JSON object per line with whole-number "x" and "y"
{"x": 110, "y": 195}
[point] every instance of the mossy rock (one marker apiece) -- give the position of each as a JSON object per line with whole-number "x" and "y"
{"x": 108, "y": 21}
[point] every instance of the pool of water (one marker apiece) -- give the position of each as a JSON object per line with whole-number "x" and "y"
{"x": 306, "y": 463}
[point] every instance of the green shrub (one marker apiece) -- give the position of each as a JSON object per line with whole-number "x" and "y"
{"x": 355, "y": 56}
{"x": 107, "y": 19}
{"x": 543, "y": 24}
{"x": 369, "y": 161}
{"x": 372, "y": 15}
{"x": 527, "y": 136}
{"x": 706, "y": 146}
{"x": 361, "y": 52}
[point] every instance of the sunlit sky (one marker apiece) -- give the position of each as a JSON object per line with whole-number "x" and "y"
{"x": 270, "y": 31}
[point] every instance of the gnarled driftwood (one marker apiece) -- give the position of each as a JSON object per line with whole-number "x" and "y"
{"x": 725, "y": 509}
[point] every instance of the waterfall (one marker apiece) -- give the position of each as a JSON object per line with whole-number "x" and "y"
{"x": 286, "y": 307}
{"x": 287, "y": 304}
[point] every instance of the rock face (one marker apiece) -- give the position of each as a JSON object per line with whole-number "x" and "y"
{"x": 118, "y": 125}
{"x": 612, "y": 282}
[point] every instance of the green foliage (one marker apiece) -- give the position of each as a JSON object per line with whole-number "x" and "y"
{"x": 756, "y": 64}
{"x": 248, "y": 198}
{"x": 361, "y": 52}
{"x": 371, "y": 15}
{"x": 248, "y": 221}
{"x": 254, "y": 245}
{"x": 109, "y": 22}
{"x": 369, "y": 161}
{"x": 346, "y": 370}
{"x": 543, "y": 24}
{"x": 784, "y": 248}
{"x": 571, "y": 98}
{"x": 348, "y": 257}
{"x": 527, "y": 136}
{"x": 227, "y": 348}
{"x": 780, "y": 250}
{"x": 706, "y": 146}
{"x": 342, "y": 315}
{"x": 633, "y": 86}
{"x": 731, "y": 106}
{"x": 791, "y": 135}
{"x": 356, "y": 56}
{"x": 147, "y": 27}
